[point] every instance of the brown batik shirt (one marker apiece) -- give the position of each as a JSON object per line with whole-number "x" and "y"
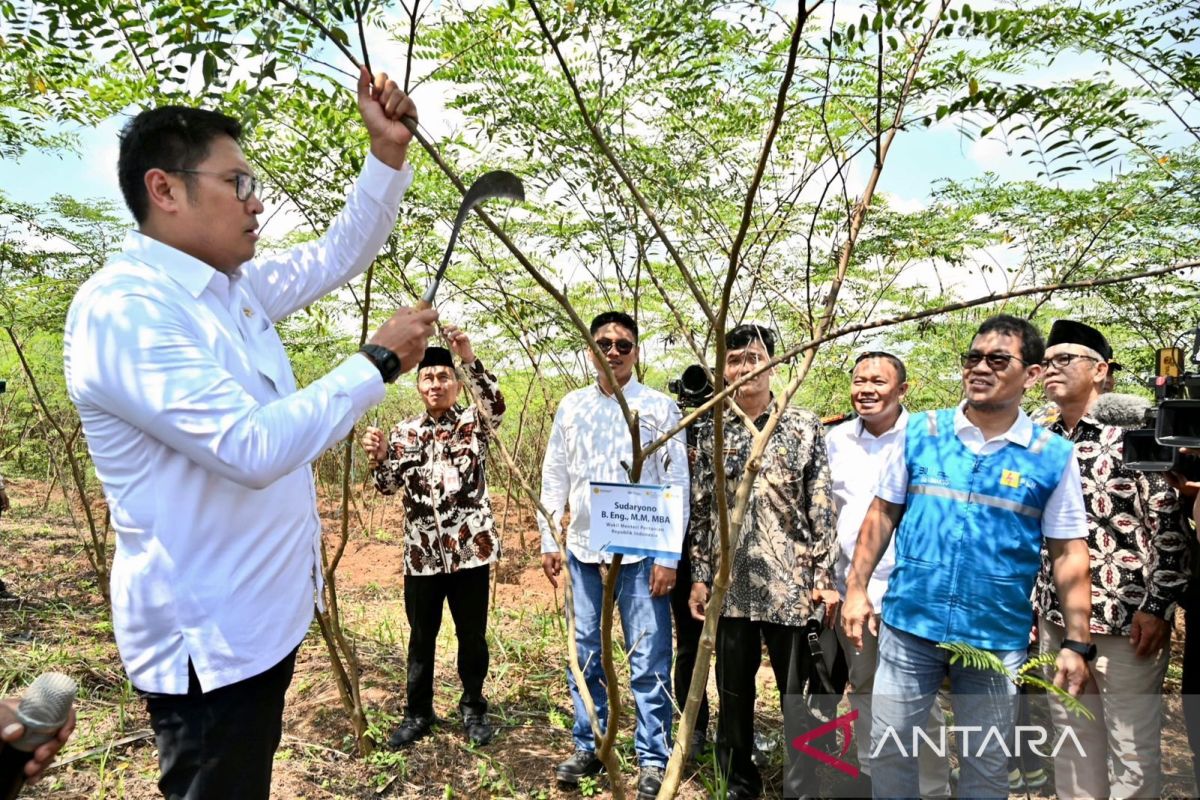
{"x": 1135, "y": 536}
{"x": 441, "y": 464}
{"x": 789, "y": 536}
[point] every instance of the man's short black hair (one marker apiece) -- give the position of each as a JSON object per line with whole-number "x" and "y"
{"x": 1033, "y": 346}
{"x": 619, "y": 317}
{"x": 170, "y": 137}
{"x": 897, "y": 364}
{"x": 741, "y": 337}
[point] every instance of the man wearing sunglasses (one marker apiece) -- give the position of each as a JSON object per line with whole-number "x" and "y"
{"x": 203, "y": 441}
{"x": 972, "y": 497}
{"x": 590, "y": 441}
{"x": 1138, "y": 576}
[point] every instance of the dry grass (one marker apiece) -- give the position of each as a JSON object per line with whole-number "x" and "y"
{"x": 61, "y": 623}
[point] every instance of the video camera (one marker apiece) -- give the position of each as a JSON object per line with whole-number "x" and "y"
{"x": 692, "y": 388}
{"x": 1174, "y": 419}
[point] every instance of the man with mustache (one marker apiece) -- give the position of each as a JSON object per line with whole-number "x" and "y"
{"x": 971, "y": 498}
{"x": 1138, "y": 576}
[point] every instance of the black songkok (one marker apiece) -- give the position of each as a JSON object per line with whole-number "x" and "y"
{"x": 1068, "y": 331}
{"x": 436, "y": 357}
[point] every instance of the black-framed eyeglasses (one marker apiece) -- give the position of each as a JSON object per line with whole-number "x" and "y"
{"x": 997, "y": 362}
{"x": 1063, "y": 360}
{"x": 624, "y": 346}
{"x": 245, "y": 184}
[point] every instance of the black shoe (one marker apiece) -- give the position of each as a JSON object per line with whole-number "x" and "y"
{"x": 737, "y": 793}
{"x": 579, "y": 765}
{"x": 699, "y": 747}
{"x": 479, "y": 730}
{"x": 410, "y": 730}
{"x": 649, "y": 781}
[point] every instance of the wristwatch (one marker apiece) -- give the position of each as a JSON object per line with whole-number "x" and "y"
{"x": 1088, "y": 651}
{"x": 387, "y": 362}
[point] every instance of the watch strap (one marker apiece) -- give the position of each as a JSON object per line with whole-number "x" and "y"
{"x": 387, "y": 362}
{"x": 1088, "y": 651}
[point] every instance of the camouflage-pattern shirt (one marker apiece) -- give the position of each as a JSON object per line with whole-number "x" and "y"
{"x": 440, "y": 464}
{"x": 1135, "y": 536}
{"x": 789, "y": 536}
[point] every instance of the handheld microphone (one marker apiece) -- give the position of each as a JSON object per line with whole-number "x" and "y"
{"x": 43, "y": 710}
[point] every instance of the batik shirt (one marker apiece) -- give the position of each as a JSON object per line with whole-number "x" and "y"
{"x": 441, "y": 464}
{"x": 1135, "y": 535}
{"x": 789, "y": 536}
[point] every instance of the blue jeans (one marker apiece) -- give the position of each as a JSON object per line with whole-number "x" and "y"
{"x": 646, "y": 622}
{"x": 906, "y": 682}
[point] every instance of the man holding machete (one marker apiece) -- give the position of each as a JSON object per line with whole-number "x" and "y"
{"x": 201, "y": 438}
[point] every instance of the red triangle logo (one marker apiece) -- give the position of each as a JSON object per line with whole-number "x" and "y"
{"x": 844, "y": 722}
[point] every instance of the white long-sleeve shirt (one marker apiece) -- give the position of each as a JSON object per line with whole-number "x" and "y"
{"x": 590, "y": 441}
{"x": 204, "y": 445}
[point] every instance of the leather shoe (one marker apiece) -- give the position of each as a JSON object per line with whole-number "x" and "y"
{"x": 410, "y": 730}
{"x": 581, "y": 764}
{"x": 649, "y": 781}
{"x": 479, "y": 730}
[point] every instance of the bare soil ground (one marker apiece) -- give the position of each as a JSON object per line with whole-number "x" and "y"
{"x": 62, "y": 623}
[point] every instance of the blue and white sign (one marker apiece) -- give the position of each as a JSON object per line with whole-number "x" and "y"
{"x": 637, "y": 519}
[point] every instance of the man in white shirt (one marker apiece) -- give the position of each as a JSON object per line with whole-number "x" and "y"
{"x": 590, "y": 441}
{"x": 972, "y": 496}
{"x": 858, "y": 450}
{"x": 201, "y": 439}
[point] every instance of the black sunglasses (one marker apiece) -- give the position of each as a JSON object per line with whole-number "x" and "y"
{"x": 997, "y": 362}
{"x": 624, "y": 346}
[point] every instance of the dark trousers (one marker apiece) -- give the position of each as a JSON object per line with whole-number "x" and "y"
{"x": 687, "y": 638}
{"x": 1190, "y": 685}
{"x": 220, "y": 745}
{"x": 424, "y": 595}
{"x": 739, "y": 654}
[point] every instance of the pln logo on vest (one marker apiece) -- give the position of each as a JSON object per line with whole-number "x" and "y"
{"x": 1010, "y": 479}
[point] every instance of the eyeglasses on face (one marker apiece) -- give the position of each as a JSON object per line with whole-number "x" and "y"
{"x": 746, "y": 358}
{"x": 997, "y": 362}
{"x": 624, "y": 346}
{"x": 1063, "y": 360}
{"x": 245, "y": 184}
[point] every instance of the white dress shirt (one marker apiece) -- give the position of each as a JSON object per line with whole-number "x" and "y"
{"x": 856, "y": 460}
{"x": 204, "y": 446}
{"x": 590, "y": 441}
{"x": 1064, "y": 516}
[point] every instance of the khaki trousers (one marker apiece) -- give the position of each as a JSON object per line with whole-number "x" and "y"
{"x": 1125, "y": 696}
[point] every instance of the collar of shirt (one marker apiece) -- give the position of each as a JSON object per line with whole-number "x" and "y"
{"x": 630, "y": 389}
{"x": 1020, "y": 433}
{"x": 861, "y": 432}
{"x": 759, "y": 421}
{"x": 449, "y": 417}
{"x": 189, "y": 272}
{"x": 1086, "y": 421}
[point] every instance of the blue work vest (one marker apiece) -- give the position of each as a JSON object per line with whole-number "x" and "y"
{"x": 969, "y": 544}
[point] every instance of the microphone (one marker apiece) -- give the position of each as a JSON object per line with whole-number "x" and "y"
{"x": 43, "y": 710}
{"x": 1123, "y": 410}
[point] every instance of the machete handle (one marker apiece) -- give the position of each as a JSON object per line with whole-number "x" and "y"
{"x": 422, "y": 305}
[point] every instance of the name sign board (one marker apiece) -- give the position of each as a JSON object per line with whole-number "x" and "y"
{"x": 637, "y": 519}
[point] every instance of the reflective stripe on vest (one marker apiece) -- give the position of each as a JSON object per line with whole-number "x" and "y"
{"x": 975, "y": 497}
